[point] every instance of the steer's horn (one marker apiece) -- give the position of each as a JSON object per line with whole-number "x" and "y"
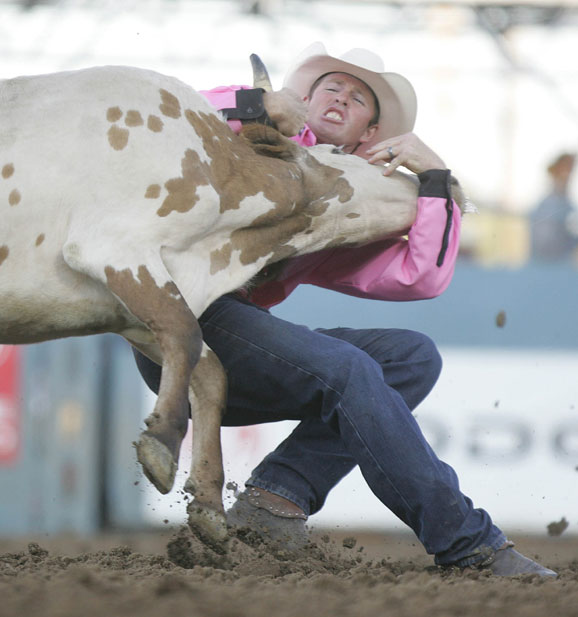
{"x": 261, "y": 78}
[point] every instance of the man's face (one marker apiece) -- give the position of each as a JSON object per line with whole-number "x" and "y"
{"x": 340, "y": 109}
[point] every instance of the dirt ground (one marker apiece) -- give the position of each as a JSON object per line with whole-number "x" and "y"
{"x": 171, "y": 573}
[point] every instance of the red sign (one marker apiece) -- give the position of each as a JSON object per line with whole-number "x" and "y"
{"x": 9, "y": 403}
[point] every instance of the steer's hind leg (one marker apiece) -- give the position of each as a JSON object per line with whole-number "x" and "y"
{"x": 162, "y": 309}
{"x": 207, "y": 395}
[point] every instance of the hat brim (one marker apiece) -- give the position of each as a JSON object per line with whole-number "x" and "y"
{"x": 396, "y": 96}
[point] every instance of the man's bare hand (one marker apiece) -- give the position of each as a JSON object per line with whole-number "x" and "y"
{"x": 406, "y": 150}
{"x": 287, "y": 110}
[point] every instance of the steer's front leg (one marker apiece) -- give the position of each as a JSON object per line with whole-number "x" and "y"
{"x": 207, "y": 396}
{"x": 178, "y": 335}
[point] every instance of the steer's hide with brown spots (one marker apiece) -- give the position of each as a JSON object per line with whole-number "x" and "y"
{"x": 128, "y": 205}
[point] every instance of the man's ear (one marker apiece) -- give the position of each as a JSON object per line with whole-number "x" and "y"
{"x": 368, "y": 134}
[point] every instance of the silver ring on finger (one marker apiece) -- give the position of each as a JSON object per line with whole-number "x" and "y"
{"x": 390, "y": 152}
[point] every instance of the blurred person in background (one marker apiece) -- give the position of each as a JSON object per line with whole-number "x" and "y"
{"x": 554, "y": 221}
{"x": 352, "y": 391}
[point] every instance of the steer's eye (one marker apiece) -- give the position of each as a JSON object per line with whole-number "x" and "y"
{"x": 337, "y": 150}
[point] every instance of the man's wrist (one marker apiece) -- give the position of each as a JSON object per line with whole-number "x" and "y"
{"x": 250, "y": 107}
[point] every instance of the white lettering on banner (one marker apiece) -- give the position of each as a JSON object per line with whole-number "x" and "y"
{"x": 506, "y": 421}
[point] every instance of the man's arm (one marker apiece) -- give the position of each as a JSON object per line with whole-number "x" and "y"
{"x": 414, "y": 268}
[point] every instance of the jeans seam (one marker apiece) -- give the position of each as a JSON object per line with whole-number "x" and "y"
{"x": 273, "y": 355}
{"x": 368, "y": 450}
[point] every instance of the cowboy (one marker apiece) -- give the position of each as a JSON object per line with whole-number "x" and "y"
{"x": 352, "y": 391}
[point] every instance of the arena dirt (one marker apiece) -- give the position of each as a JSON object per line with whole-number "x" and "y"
{"x": 174, "y": 574}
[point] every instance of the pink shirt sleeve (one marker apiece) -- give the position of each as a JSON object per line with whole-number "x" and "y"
{"x": 401, "y": 269}
{"x": 397, "y": 269}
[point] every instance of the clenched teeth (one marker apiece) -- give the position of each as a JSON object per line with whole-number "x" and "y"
{"x": 333, "y": 115}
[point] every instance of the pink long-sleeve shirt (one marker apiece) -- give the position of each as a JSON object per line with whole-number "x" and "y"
{"x": 398, "y": 269}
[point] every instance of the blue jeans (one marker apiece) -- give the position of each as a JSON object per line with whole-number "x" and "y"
{"x": 353, "y": 392}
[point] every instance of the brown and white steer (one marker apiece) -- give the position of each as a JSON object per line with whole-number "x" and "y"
{"x": 128, "y": 206}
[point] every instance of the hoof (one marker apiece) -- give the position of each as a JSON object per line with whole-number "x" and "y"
{"x": 208, "y": 525}
{"x": 157, "y": 462}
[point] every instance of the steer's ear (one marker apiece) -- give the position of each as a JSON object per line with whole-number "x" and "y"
{"x": 266, "y": 141}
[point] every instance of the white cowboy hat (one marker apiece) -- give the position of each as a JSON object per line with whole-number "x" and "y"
{"x": 396, "y": 96}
